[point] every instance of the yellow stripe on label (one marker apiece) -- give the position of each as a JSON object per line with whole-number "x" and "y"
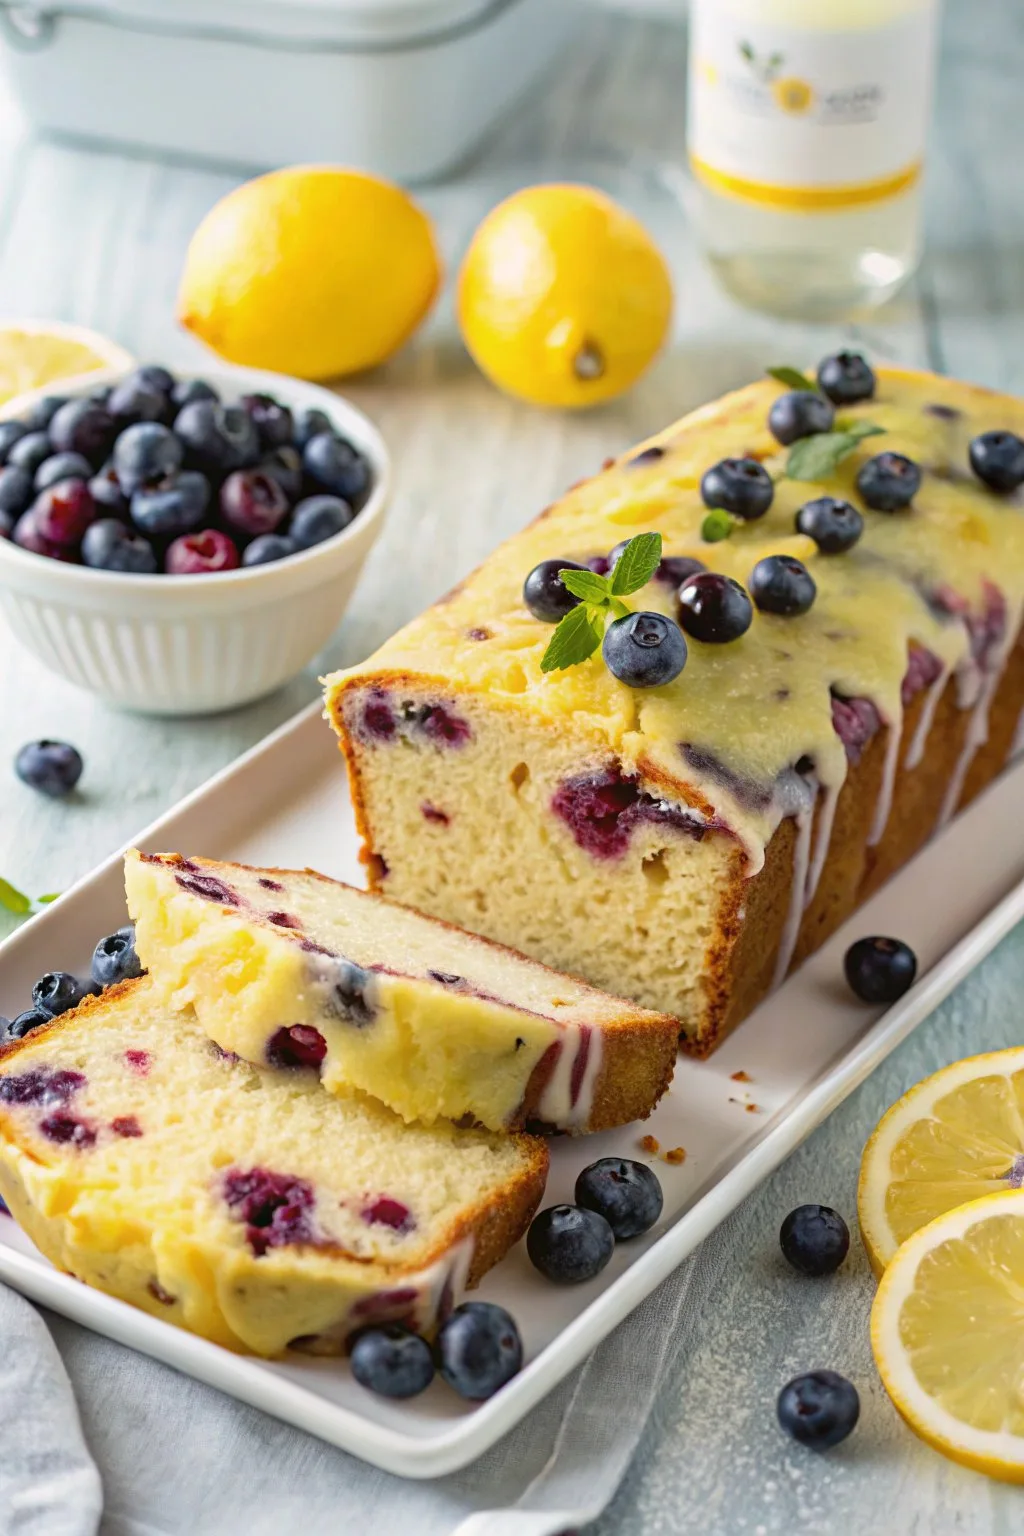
{"x": 806, "y": 199}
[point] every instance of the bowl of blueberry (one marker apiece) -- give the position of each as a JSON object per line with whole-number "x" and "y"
{"x": 182, "y": 543}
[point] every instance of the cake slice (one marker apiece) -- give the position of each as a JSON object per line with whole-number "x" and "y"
{"x": 288, "y": 968}
{"x": 245, "y": 1205}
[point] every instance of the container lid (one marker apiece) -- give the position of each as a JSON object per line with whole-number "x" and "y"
{"x": 346, "y": 24}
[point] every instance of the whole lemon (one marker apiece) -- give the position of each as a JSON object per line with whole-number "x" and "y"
{"x": 313, "y": 271}
{"x": 564, "y": 299}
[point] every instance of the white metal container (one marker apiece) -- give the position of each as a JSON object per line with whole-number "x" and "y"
{"x": 405, "y": 88}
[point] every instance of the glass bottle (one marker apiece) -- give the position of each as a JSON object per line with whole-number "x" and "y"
{"x": 807, "y": 122}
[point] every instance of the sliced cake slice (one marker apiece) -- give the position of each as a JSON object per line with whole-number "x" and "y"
{"x": 289, "y": 968}
{"x": 244, "y": 1204}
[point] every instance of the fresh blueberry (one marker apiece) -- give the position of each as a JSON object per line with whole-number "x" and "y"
{"x": 740, "y": 486}
{"x": 997, "y": 458}
{"x": 880, "y": 970}
{"x": 52, "y": 767}
{"x": 319, "y": 518}
{"x": 114, "y": 958}
{"x": 144, "y": 454}
{"x": 782, "y": 584}
{"x": 273, "y": 421}
{"x": 205, "y": 553}
{"x": 57, "y": 992}
{"x": 110, "y": 545}
{"x": 105, "y": 490}
{"x": 267, "y": 548}
{"x": 714, "y": 608}
{"x": 818, "y": 1409}
{"x": 217, "y": 438}
{"x": 569, "y": 1244}
{"x": 85, "y": 427}
{"x": 27, "y": 536}
{"x": 478, "y": 1349}
{"x": 63, "y": 512}
{"x": 285, "y": 466}
{"x": 15, "y": 492}
{"x": 626, "y": 1193}
{"x": 11, "y": 432}
{"x": 814, "y": 1239}
{"x": 61, "y": 466}
{"x": 154, "y": 376}
{"x": 800, "y": 413}
{"x": 544, "y": 592}
{"x": 30, "y": 451}
{"x": 846, "y": 378}
{"x": 834, "y": 525}
{"x": 38, "y": 418}
{"x": 310, "y": 424}
{"x": 644, "y": 650}
{"x": 253, "y": 503}
{"x": 24, "y": 1024}
{"x": 188, "y": 390}
{"x": 391, "y": 1361}
{"x": 673, "y": 570}
{"x": 133, "y": 400}
{"x": 888, "y": 482}
{"x": 171, "y": 506}
{"x": 337, "y": 467}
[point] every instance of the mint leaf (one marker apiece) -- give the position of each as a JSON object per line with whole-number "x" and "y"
{"x": 44, "y": 901}
{"x": 637, "y": 564}
{"x": 716, "y": 527}
{"x": 859, "y": 429}
{"x": 585, "y": 584}
{"x": 576, "y": 638}
{"x": 14, "y": 900}
{"x": 815, "y": 458}
{"x": 792, "y": 378}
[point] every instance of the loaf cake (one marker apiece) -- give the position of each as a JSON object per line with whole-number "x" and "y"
{"x": 288, "y": 968}
{"x": 245, "y": 1205}
{"x": 685, "y": 845}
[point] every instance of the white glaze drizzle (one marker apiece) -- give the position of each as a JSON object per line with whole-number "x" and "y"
{"x": 915, "y": 751}
{"x": 885, "y": 790}
{"x": 555, "y": 1106}
{"x": 804, "y": 822}
{"x": 977, "y": 729}
{"x": 823, "y": 839}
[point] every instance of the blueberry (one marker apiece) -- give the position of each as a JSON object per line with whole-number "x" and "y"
{"x": 815, "y": 1239}
{"x": 114, "y": 958}
{"x": 544, "y": 593}
{"x": 714, "y": 608}
{"x": 269, "y": 547}
{"x": 800, "y": 413}
{"x": 24, "y": 1024}
{"x": 273, "y": 421}
{"x": 783, "y": 585}
{"x": 15, "y": 491}
{"x": 880, "y": 970}
{"x": 392, "y": 1361}
{"x": 998, "y": 459}
{"x": 53, "y": 767}
{"x": 252, "y": 503}
{"x": 333, "y": 464}
{"x": 62, "y": 466}
{"x": 109, "y": 545}
{"x": 133, "y": 400}
{"x": 83, "y": 426}
{"x": 57, "y": 992}
{"x": 105, "y": 490}
{"x": 63, "y": 512}
{"x": 888, "y": 482}
{"x": 818, "y": 1409}
{"x": 209, "y": 552}
{"x": 846, "y": 378}
{"x": 11, "y": 432}
{"x": 478, "y": 1349}
{"x": 318, "y": 518}
{"x": 217, "y": 438}
{"x": 834, "y": 525}
{"x": 153, "y": 376}
{"x": 144, "y": 454}
{"x": 673, "y": 570}
{"x": 740, "y": 486}
{"x": 171, "y": 506}
{"x": 644, "y": 650}
{"x": 627, "y": 1194}
{"x": 30, "y": 451}
{"x": 569, "y": 1244}
{"x": 187, "y": 390}
{"x": 42, "y": 413}
{"x": 285, "y": 466}
{"x": 310, "y": 424}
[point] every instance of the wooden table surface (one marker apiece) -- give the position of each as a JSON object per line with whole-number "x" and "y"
{"x": 99, "y": 238}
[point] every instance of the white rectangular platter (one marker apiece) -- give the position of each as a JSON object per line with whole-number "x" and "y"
{"x": 286, "y": 803}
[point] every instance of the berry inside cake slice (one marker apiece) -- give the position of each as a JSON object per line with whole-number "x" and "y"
{"x": 291, "y": 970}
{"x": 244, "y": 1204}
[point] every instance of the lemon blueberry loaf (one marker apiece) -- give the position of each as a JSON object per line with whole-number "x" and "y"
{"x": 846, "y": 564}
{"x": 245, "y": 1205}
{"x": 288, "y": 968}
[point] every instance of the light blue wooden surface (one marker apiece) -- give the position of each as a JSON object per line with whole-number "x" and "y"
{"x": 99, "y": 238}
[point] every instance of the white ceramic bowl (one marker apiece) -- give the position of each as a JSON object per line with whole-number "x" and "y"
{"x": 182, "y": 645}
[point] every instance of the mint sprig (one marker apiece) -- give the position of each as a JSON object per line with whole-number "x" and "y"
{"x": 792, "y": 378}
{"x": 815, "y": 458}
{"x": 580, "y": 633}
{"x": 17, "y": 902}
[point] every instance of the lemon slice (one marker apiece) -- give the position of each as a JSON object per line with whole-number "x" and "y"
{"x": 956, "y": 1136}
{"x": 947, "y": 1330}
{"x": 38, "y": 352}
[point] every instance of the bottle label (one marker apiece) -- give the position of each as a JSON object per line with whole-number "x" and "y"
{"x": 808, "y": 119}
